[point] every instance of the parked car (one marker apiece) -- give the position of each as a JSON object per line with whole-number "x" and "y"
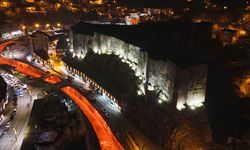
{"x": 107, "y": 115}
{"x": 7, "y": 125}
{"x": 104, "y": 110}
{"x": 15, "y": 103}
{"x": 13, "y": 114}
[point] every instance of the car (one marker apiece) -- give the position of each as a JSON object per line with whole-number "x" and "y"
{"x": 5, "y": 130}
{"x": 104, "y": 110}
{"x": 117, "y": 133}
{"x": 70, "y": 78}
{"x": 15, "y": 103}
{"x": 14, "y": 98}
{"x": 7, "y": 125}
{"x": 91, "y": 96}
{"x": 107, "y": 115}
{"x": 13, "y": 114}
{"x": 111, "y": 102}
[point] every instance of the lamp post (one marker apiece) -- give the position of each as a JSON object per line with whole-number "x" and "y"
{"x": 15, "y": 133}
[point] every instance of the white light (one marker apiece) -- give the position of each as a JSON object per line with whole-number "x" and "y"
{"x": 29, "y": 57}
{"x": 140, "y": 78}
{"x": 150, "y": 88}
{"x": 163, "y": 97}
{"x": 192, "y": 107}
{"x": 79, "y": 55}
{"x": 15, "y": 33}
{"x": 160, "y": 101}
{"x": 139, "y": 92}
{"x": 67, "y": 40}
{"x": 123, "y": 60}
{"x": 71, "y": 50}
{"x": 133, "y": 67}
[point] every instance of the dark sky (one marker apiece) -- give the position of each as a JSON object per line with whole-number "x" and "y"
{"x": 181, "y": 3}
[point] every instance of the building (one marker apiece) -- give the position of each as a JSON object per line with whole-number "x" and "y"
{"x": 9, "y": 30}
{"x": 62, "y": 46}
{"x": 47, "y": 139}
{"x": 40, "y": 41}
{"x": 227, "y": 36}
{"x": 3, "y": 87}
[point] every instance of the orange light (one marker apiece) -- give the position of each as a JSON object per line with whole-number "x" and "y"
{"x": 242, "y": 32}
{"x": 105, "y": 136}
{"x": 52, "y": 79}
{"x": 37, "y": 25}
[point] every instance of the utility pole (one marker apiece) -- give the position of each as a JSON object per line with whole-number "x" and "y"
{"x": 27, "y": 43}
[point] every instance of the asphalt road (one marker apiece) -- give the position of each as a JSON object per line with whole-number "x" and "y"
{"x": 12, "y": 140}
{"x": 129, "y": 136}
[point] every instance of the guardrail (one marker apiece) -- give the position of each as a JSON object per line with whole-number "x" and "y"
{"x": 84, "y": 77}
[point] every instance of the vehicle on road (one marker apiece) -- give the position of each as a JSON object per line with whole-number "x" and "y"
{"x": 117, "y": 133}
{"x": 107, "y": 115}
{"x": 13, "y": 114}
{"x": 70, "y": 78}
{"x": 104, "y": 110}
{"x": 7, "y": 125}
{"x": 91, "y": 96}
{"x": 15, "y": 103}
{"x": 5, "y": 130}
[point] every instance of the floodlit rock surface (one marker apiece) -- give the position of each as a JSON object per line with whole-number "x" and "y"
{"x": 160, "y": 76}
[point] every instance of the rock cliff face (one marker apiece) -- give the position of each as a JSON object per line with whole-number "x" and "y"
{"x": 103, "y": 44}
{"x": 192, "y": 86}
{"x": 161, "y": 76}
{"x": 158, "y": 76}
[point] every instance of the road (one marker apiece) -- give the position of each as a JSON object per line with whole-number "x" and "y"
{"x": 114, "y": 132}
{"x": 109, "y": 142}
{"x": 12, "y": 140}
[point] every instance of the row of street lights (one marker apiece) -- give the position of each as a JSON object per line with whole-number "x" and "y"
{"x": 38, "y": 25}
{"x": 91, "y": 81}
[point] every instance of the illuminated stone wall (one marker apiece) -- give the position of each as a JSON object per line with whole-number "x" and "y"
{"x": 161, "y": 79}
{"x": 154, "y": 75}
{"x": 192, "y": 86}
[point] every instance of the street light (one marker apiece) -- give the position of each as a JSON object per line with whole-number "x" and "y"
{"x": 15, "y": 133}
{"x": 37, "y": 25}
{"x": 23, "y": 27}
{"x": 58, "y": 25}
{"x": 47, "y": 25}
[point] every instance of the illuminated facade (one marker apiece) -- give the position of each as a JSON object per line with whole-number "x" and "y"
{"x": 97, "y": 2}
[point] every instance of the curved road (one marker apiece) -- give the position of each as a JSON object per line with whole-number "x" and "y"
{"x": 107, "y": 140}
